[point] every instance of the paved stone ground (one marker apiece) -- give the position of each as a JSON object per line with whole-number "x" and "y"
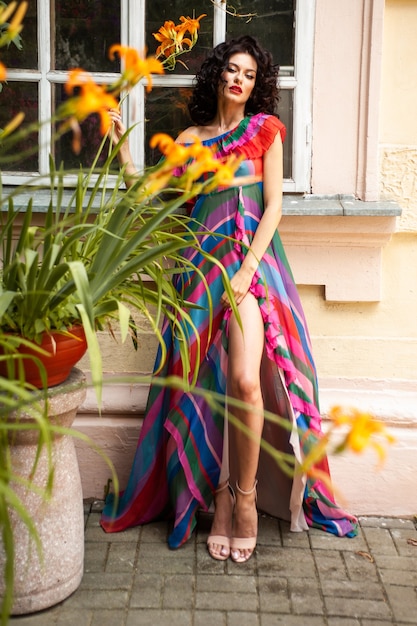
{"x": 306, "y": 579}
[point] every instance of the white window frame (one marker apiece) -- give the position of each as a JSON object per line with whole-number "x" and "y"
{"x": 133, "y": 34}
{"x": 301, "y": 83}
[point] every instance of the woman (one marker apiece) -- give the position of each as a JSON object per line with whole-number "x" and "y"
{"x": 264, "y": 359}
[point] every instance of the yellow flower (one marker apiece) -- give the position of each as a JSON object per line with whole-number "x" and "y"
{"x": 92, "y": 98}
{"x": 171, "y": 36}
{"x": 136, "y": 67}
{"x": 199, "y": 160}
{"x": 176, "y": 154}
{"x": 364, "y": 431}
{"x": 15, "y": 25}
{"x": 192, "y": 25}
{"x": 162, "y": 141}
{"x": 224, "y": 175}
{"x": 12, "y": 125}
{"x": 171, "y": 39}
{"x": 156, "y": 182}
{"x": 3, "y": 72}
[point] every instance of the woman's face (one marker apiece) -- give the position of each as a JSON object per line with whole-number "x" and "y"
{"x": 238, "y": 79}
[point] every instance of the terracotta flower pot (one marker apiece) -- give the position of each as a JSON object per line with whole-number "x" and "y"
{"x": 64, "y": 352}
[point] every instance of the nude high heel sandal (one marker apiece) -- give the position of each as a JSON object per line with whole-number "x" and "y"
{"x": 243, "y": 543}
{"x": 222, "y": 540}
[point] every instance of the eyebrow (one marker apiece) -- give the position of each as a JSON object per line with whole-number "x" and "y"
{"x": 248, "y": 69}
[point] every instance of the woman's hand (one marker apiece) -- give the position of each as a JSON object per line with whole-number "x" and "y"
{"x": 124, "y": 156}
{"x": 239, "y": 284}
{"x": 118, "y": 129}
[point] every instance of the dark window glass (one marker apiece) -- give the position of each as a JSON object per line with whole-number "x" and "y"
{"x": 16, "y": 97}
{"x": 285, "y": 112}
{"x": 27, "y": 56}
{"x": 90, "y": 141}
{"x": 270, "y": 21}
{"x": 82, "y": 33}
{"x": 165, "y": 112}
{"x": 158, "y": 11}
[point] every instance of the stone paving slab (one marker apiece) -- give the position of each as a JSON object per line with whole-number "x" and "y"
{"x": 293, "y": 579}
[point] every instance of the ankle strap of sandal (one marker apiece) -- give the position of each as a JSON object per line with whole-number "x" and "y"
{"x": 246, "y": 493}
{"x": 223, "y": 487}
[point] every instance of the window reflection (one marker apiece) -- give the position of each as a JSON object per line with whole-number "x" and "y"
{"x": 285, "y": 112}
{"x": 166, "y": 112}
{"x": 272, "y": 22}
{"x": 17, "y": 97}
{"x": 83, "y": 31}
{"x": 90, "y": 141}
{"x": 27, "y": 56}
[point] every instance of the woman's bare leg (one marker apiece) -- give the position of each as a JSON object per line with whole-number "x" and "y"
{"x": 223, "y": 502}
{"x": 244, "y": 362}
{"x": 218, "y": 542}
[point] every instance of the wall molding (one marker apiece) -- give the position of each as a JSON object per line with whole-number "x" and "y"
{"x": 337, "y": 242}
{"x": 393, "y": 401}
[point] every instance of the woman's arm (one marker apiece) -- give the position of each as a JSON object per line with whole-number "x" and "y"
{"x": 272, "y": 192}
{"x": 123, "y": 156}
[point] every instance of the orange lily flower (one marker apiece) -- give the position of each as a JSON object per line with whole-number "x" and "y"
{"x": 224, "y": 176}
{"x": 136, "y": 67}
{"x": 12, "y": 125}
{"x": 171, "y": 38}
{"x": 15, "y": 25}
{"x": 175, "y": 153}
{"x": 192, "y": 25}
{"x": 364, "y": 431}
{"x": 200, "y": 160}
{"x": 93, "y": 98}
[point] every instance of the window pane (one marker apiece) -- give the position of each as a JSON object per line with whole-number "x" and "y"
{"x": 90, "y": 141}
{"x": 17, "y": 97}
{"x": 285, "y": 111}
{"x": 158, "y": 11}
{"x": 27, "y": 57}
{"x": 83, "y": 31}
{"x": 273, "y": 24}
{"x": 166, "y": 112}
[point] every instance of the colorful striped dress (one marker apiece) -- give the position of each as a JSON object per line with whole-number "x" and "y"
{"x": 177, "y": 463}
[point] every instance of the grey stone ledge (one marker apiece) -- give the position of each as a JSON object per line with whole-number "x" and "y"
{"x": 293, "y": 204}
{"x": 338, "y": 205}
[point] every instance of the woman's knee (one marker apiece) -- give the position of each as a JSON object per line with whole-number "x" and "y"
{"x": 246, "y": 388}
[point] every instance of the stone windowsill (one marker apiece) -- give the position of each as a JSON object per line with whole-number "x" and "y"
{"x": 337, "y": 206}
{"x": 302, "y": 205}
{"x": 337, "y": 242}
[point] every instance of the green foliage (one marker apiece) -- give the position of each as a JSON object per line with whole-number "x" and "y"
{"x": 97, "y": 253}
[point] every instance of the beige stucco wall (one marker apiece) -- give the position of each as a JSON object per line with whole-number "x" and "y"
{"x": 375, "y": 339}
{"x": 371, "y": 339}
{"x": 365, "y": 353}
{"x": 338, "y": 33}
{"x": 398, "y": 149}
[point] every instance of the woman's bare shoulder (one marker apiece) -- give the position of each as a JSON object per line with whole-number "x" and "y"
{"x": 189, "y": 134}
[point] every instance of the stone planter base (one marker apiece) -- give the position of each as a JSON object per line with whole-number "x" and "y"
{"x": 43, "y": 582}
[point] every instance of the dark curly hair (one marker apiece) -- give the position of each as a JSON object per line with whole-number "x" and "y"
{"x": 264, "y": 97}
